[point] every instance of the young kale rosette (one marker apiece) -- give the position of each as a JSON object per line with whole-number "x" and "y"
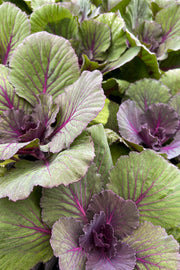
{"x": 45, "y": 105}
{"x": 94, "y": 229}
{"x": 151, "y": 117}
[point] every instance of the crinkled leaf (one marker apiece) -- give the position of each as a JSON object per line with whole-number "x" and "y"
{"x": 169, "y": 19}
{"x": 54, "y": 19}
{"x": 65, "y": 243}
{"x": 121, "y": 214}
{"x": 125, "y": 259}
{"x": 8, "y": 97}
{"x": 43, "y": 63}
{"x": 70, "y": 201}
{"x": 63, "y": 168}
{"x": 159, "y": 116}
{"x": 136, "y": 13}
{"x": 22, "y": 233}
{"x": 118, "y": 37}
{"x": 124, "y": 58}
{"x": 147, "y": 92}
{"x": 173, "y": 149}
{"x": 154, "y": 248}
{"x": 171, "y": 79}
{"x": 103, "y": 159}
{"x": 128, "y": 117}
{"x": 95, "y": 38}
{"x": 14, "y": 27}
{"x": 154, "y": 187}
{"x": 79, "y": 104}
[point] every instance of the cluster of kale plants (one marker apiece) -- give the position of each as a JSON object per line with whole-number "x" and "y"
{"x": 90, "y": 135}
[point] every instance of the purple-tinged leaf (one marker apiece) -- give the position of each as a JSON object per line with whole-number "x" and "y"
{"x": 22, "y": 234}
{"x": 70, "y": 201}
{"x": 124, "y": 259}
{"x": 169, "y": 19}
{"x": 160, "y": 116}
{"x": 8, "y": 150}
{"x": 14, "y": 27}
{"x": 121, "y": 214}
{"x": 152, "y": 183}
{"x": 79, "y": 105}
{"x": 8, "y": 97}
{"x": 65, "y": 244}
{"x": 67, "y": 167}
{"x": 54, "y": 19}
{"x": 95, "y": 38}
{"x": 147, "y": 92}
{"x": 128, "y": 117}
{"x": 43, "y": 64}
{"x": 154, "y": 248}
{"x": 173, "y": 149}
{"x": 148, "y": 138}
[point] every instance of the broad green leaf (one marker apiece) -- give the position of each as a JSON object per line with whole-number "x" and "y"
{"x": 103, "y": 159}
{"x": 70, "y": 201}
{"x": 172, "y": 62}
{"x": 8, "y": 97}
{"x": 152, "y": 183}
{"x": 103, "y": 116}
{"x": 38, "y": 3}
{"x": 64, "y": 168}
{"x": 171, "y": 79}
{"x": 65, "y": 244}
{"x": 54, "y": 19}
{"x": 44, "y": 63}
{"x": 154, "y": 248}
{"x": 95, "y": 38}
{"x": 113, "y": 86}
{"x": 14, "y": 27}
{"x": 22, "y": 233}
{"x": 147, "y": 92}
{"x": 175, "y": 103}
{"x": 148, "y": 57}
{"x": 124, "y": 58}
{"x": 79, "y": 104}
{"x": 118, "y": 36}
{"x": 90, "y": 65}
{"x": 137, "y": 12}
{"x": 169, "y": 19}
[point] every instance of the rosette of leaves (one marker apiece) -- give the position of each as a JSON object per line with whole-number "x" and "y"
{"x": 99, "y": 42}
{"x": 151, "y": 118}
{"x": 43, "y": 111}
{"x": 94, "y": 229}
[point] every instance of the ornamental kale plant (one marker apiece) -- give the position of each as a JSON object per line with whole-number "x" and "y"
{"x": 89, "y": 135}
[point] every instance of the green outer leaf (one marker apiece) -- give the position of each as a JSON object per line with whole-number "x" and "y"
{"x": 103, "y": 159}
{"x": 154, "y": 248}
{"x": 146, "y": 56}
{"x": 8, "y": 150}
{"x": 43, "y": 63}
{"x": 103, "y": 116}
{"x": 38, "y": 3}
{"x": 64, "y": 168}
{"x": 118, "y": 36}
{"x": 24, "y": 239}
{"x": 79, "y": 105}
{"x": 150, "y": 181}
{"x": 95, "y": 38}
{"x": 171, "y": 79}
{"x": 169, "y": 19}
{"x": 175, "y": 103}
{"x": 8, "y": 97}
{"x": 14, "y": 27}
{"x": 54, "y": 19}
{"x": 146, "y": 92}
{"x": 64, "y": 241}
{"x": 70, "y": 201}
{"x": 125, "y": 58}
{"x": 137, "y": 12}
